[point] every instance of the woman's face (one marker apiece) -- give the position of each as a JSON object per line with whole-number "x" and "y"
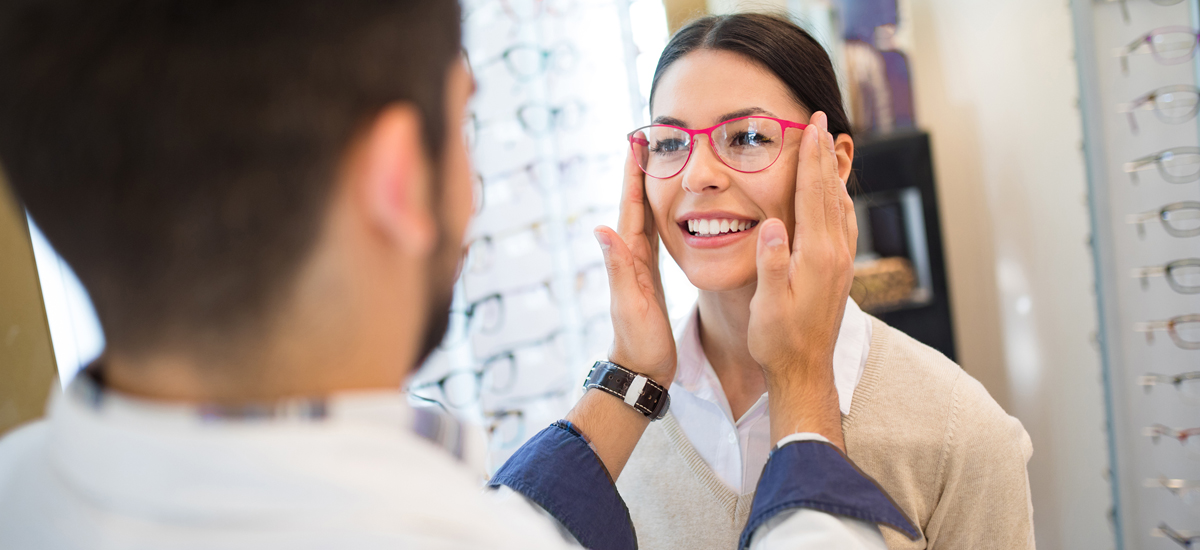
{"x": 702, "y": 89}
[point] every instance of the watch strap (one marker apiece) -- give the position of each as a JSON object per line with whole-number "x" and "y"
{"x": 643, "y": 394}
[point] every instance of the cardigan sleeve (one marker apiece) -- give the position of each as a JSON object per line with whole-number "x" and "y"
{"x": 985, "y": 502}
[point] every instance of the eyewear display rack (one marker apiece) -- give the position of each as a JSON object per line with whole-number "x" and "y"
{"x": 1138, "y": 73}
{"x": 556, "y": 91}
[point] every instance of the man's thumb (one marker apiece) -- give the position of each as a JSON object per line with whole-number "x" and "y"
{"x": 773, "y": 257}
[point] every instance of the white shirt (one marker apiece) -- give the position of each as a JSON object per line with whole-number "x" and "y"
{"x": 737, "y": 449}
{"x": 133, "y": 474}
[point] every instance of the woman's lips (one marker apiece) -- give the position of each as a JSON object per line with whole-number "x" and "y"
{"x": 714, "y": 241}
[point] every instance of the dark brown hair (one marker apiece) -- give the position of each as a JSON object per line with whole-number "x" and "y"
{"x": 774, "y": 42}
{"x": 179, "y": 154}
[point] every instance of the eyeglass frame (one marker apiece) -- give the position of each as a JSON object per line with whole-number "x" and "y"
{"x": 1140, "y": 219}
{"x": 1125, "y": 9}
{"x": 1150, "y": 380}
{"x": 1148, "y": 39}
{"x": 496, "y": 417}
{"x": 1168, "y": 325}
{"x": 1151, "y": 98}
{"x": 1182, "y": 435}
{"x": 545, "y": 56}
{"x": 440, "y": 384}
{"x": 1134, "y": 166}
{"x": 1166, "y": 270}
{"x": 783, "y": 123}
{"x": 1177, "y": 537}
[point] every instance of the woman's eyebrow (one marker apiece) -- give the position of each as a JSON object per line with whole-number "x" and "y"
{"x": 749, "y": 111}
{"x": 669, "y": 120}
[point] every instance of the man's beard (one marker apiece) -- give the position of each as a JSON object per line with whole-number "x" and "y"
{"x": 439, "y": 285}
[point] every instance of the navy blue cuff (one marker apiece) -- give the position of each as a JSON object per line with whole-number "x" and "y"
{"x": 816, "y": 475}
{"x": 558, "y": 470}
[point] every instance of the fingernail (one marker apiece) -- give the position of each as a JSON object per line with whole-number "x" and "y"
{"x": 602, "y": 238}
{"x": 774, "y": 234}
{"x": 823, "y": 120}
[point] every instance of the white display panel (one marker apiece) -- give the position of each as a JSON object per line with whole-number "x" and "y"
{"x": 1108, "y": 86}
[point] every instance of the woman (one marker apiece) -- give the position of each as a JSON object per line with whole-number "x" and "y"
{"x": 927, "y": 432}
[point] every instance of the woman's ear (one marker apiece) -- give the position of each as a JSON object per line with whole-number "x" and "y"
{"x": 843, "y": 147}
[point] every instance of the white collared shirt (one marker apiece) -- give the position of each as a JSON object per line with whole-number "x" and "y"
{"x": 109, "y": 471}
{"x": 737, "y": 449}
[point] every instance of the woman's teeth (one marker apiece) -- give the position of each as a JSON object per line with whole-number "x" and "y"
{"x": 706, "y": 227}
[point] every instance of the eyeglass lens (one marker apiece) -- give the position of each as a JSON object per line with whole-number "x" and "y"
{"x": 1184, "y": 276}
{"x": 746, "y": 145}
{"x": 1172, "y": 46}
{"x": 1182, "y": 219}
{"x": 1180, "y": 165}
{"x": 1185, "y": 331}
{"x": 1176, "y": 105}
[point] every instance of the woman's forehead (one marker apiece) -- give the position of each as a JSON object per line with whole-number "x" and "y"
{"x": 705, "y": 86}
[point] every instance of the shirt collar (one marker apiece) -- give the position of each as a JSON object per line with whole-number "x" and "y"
{"x": 88, "y": 395}
{"x": 696, "y": 376}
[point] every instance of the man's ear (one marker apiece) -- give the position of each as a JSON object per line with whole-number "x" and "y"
{"x": 843, "y": 147}
{"x": 396, "y": 182}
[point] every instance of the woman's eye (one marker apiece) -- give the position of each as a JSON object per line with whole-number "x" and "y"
{"x": 748, "y": 139}
{"x": 668, "y": 146}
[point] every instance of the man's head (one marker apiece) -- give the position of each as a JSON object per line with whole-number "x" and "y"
{"x": 217, "y": 171}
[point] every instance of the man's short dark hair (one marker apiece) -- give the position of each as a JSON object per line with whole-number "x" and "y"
{"x": 180, "y": 154}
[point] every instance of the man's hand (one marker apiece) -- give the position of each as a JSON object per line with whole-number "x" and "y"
{"x": 797, "y": 308}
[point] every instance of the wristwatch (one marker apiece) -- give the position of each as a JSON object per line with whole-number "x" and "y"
{"x": 643, "y": 394}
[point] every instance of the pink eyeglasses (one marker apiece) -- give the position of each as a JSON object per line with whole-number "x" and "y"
{"x": 747, "y": 144}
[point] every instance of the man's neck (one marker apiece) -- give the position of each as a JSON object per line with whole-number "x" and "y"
{"x": 724, "y": 321}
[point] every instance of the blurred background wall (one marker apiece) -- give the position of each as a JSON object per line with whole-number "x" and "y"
{"x": 995, "y": 84}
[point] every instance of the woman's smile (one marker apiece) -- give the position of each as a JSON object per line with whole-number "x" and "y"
{"x": 714, "y": 229}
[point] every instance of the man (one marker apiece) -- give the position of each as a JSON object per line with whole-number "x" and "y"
{"x": 267, "y": 202}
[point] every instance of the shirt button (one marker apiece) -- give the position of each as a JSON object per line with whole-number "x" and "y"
{"x": 732, "y": 439}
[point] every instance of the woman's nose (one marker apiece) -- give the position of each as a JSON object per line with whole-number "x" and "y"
{"x": 703, "y": 172}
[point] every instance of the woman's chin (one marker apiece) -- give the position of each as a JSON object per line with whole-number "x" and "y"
{"x": 709, "y": 281}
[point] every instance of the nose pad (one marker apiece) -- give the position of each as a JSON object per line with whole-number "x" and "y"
{"x": 704, "y": 170}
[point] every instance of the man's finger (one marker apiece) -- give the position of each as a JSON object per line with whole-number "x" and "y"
{"x": 810, "y": 206}
{"x": 633, "y": 215}
{"x": 773, "y": 259}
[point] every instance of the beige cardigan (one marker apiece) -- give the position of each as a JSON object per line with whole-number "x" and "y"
{"x": 932, "y": 437}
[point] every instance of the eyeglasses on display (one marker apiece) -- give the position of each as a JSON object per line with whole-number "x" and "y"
{"x": 1184, "y": 330}
{"x": 528, "y": 61}
{"x": 1185, "y": 539}
{"x": 484, "y": 315}
{"x": 1182, "y": 275}
{"x": 1125, "y": 7}
{"x": 528, "y": 10}
{"x": 1179, "y": 219}
{"x": 506, "y": 427}
{"x": 1186, "y": 489}
{"x": 1189, "y": 437}
{"x": 1187, "y": 383}
{"x": 1176, "y": 165}
{"x": 1168, "y": 45}
{"x": 1171, "y": 104}
{"x": 461, "y": 388}
{"x": 482, "y": 251}
{"x": 747, "y": 144}
{"x": 537, "y": 118}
